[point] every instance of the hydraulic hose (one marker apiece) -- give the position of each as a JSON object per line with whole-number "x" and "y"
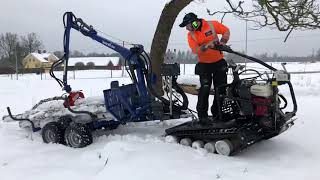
{"x": 149, "y": 74}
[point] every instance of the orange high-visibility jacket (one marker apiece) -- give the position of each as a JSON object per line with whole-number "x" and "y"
{"x": 209, "y": 31}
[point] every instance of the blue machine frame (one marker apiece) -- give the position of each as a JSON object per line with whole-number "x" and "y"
{"x": 133, "y": 102}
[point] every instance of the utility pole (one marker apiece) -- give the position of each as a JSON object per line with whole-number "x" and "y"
{"x": 16, "y": 56}
{"x": 312, "y": 54}
{"x": 245, "y": 60}
{"x": 246, "y": 36}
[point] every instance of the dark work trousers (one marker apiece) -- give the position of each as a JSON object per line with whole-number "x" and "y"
{"x": 210, "y": 72}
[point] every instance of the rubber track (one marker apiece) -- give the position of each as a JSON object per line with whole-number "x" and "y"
{"x": 228, "y": 133}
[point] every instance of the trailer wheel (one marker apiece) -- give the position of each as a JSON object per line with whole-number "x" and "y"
{"x": 78, "y": 135}
{"x": 53, "y": 133}
{"x": 65, "y": 121}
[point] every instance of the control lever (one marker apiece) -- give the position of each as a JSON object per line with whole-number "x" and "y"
{"x": 234, "y": 66}
{"x": 221, "y": 47}
{"x": 284, "y": 67}
{"x": 231, "y": 63}
{"x": 239, "y": 67}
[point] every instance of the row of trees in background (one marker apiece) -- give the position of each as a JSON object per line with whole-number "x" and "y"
{"x": 187, "y": 57}
{"x": 13, "y": 48}
{"x": 76, "y": 53}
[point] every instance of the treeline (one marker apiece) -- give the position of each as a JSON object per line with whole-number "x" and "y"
{"x": 187, "y": 57}
{"x": 76, "y": 53}
{"x": 14, "y": 47}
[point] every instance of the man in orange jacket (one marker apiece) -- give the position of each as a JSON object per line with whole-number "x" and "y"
{"x": 202, "y": 37}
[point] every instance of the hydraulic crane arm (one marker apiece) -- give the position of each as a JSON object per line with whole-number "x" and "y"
{"x": 133, "y": 56}
{"x": 136, "y": 58}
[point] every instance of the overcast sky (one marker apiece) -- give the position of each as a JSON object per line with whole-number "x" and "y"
{"x": 135, "y": 21}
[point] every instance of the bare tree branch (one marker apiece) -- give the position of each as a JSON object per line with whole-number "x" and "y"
{"x": 285, "y": 15}
{"x": 31, "y": 43}
{"x": 8, "y": 44}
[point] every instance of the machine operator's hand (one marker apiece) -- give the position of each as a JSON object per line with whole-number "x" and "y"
{"x": 222, "y": 43}
{"x": 211, "y": 45}
{"x": 204, "y": 48}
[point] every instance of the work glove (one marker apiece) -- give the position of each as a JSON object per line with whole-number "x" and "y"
{"x": 211, "y": 45}
{"x": 203, "y": 48}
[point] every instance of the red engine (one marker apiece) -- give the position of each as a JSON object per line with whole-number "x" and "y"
{"x": 261, "y": 106}
{"x": 72, "y": 97}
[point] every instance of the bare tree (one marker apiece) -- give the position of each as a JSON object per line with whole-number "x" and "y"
{"x": 8, "y": 44}
{"x": 285, "y": 15}
{"x": 318, "y": 54}
{"x": 77, "y": 53}
{"x": 162, "y": 34}
{"x": 59, "y": 54}
{"x": 31, "y": 43}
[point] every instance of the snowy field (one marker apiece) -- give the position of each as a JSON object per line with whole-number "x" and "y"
{"x": 139, "y": 152}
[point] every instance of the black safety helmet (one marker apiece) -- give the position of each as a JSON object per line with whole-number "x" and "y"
{"x": 189, "y": 18}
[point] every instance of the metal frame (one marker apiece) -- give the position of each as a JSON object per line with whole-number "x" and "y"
{"x": 287, "y": 115}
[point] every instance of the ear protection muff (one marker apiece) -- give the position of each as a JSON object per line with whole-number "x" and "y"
{"x": 195, "y": 24}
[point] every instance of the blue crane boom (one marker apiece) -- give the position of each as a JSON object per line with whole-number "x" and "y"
{"x": 133, "y": 55}
{"x": 132, "y": 102}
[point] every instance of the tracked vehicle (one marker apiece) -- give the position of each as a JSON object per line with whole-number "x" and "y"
{"x": 251, "y": 110}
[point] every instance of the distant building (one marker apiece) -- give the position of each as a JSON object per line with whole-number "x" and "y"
{"x": 40, "y": 59}
{"x": 101, "y": 62}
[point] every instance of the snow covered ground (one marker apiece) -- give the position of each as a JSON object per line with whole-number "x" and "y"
{"x": 138, "y": 151}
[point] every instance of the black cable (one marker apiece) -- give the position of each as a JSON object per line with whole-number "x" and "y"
{"x": 177, "y": 98}
{"x": 125, "y": 65}
{"x": 284, "y": 100}
{"x": 22, "y": 119}
{"x": 153, "y": 92}
{"x": 251, "y": 70}
{"x": 259, "y": 74}
{"x": 53, "y": 67}
{"x": 93, "y": 116}
{"x": 192, "y": 111}
{"x": 254, "y": 77}
{"x": 184, "y": 103}
{"x": 60, "y": 61}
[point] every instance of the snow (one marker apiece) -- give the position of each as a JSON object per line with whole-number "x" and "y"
{"x": 98, "y": 61}
{"x": 43, "y": 57}
{"x": 139, "y": 151}
{"x": 52, "y": 110}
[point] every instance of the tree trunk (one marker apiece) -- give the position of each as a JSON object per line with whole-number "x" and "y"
{"x": 161, "y": 37}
